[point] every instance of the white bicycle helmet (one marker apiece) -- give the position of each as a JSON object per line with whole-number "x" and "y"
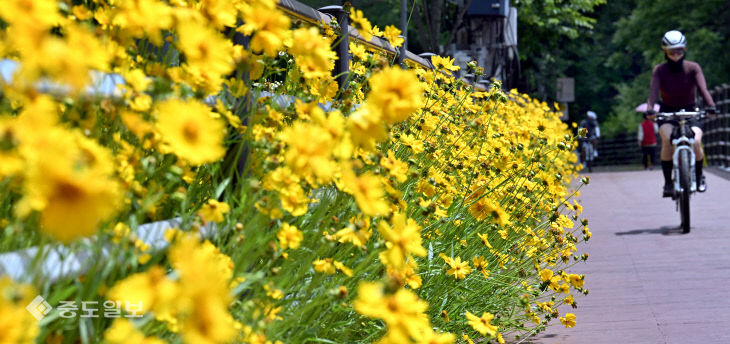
{"x": 591, "y": 115}
{"x": 673, "y": 40}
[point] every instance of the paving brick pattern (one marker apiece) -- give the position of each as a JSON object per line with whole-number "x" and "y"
{"x": 648, "y": 282}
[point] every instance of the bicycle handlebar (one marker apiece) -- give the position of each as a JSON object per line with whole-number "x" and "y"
{"x": 681, "y": 114}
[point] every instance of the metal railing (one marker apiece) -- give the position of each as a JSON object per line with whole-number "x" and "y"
{"x": 297, "y": 10}
{"x": 716, "y": 137}
{"x": 619, "y": 150}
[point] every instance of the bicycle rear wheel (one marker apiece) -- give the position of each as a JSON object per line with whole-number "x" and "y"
{"x": 588, "y": 152}
{"x": 684, "y": 183}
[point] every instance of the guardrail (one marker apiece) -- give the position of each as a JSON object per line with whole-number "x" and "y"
{"x": 297, "y": 10}
{"x": 619, "y": 150}
{"x": 716, "y": 137}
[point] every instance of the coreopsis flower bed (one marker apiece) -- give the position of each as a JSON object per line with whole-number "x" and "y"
{"x": 403, "y": 207}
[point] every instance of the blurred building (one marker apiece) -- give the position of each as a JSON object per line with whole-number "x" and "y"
{"x": 488, "y": 35}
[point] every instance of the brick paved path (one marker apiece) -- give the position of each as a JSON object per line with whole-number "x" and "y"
{"x": 648, "y": 282}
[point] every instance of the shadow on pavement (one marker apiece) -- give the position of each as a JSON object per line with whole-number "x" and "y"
{"x": 664, "y": 230}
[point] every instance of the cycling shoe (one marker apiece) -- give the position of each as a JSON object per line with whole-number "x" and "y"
{"x": 701, "y": 185}
{"x": 668, "y": 190}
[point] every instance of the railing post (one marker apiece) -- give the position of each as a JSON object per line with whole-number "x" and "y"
{"x": 404, "y": 32}
{"x": 342, "y": 45}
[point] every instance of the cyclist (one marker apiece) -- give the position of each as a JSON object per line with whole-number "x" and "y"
{"x": 678, "y": 80}
{"x": 590, "y": 123}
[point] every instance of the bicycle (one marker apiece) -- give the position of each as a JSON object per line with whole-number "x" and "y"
{"x": 683, "y": 157}
{"x": 587, "y": 152}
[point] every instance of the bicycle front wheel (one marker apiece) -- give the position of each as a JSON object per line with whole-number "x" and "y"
{"x": 685, "y": 180}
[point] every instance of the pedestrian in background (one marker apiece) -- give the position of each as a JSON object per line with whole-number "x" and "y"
{"x": 647, "y": 140}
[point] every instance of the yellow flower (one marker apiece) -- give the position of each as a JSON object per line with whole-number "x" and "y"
{"x": 396, "y": 168}
{"x": 73, "y": 56}
{"x": 270, "y": 28}
{"x": 482, "y": 324}
{"x": 69, "y": 180}
{"x": 17, "y": 325}
{"x": 213, "y": 211}
{"x": 577, "y": 281}
{"x": 122, "y": 331}
{"x": 341, "y": 266}
{"x": 190, "y": 131}
{"x": 444, "y": 63}
{"x": 205, "y": 281}
{"x": 578, "y": 208}
{"x": 280, "y": 178}
{"x": 324, "y": 266}
{"x": 312, "y": 53}
{"x": 368, "y": 192}
{"x": 403, "y": 239}
{"x": 294, "y": 200}
{"x": 546, "y": 275}
{"x": 392, "y": 34}
{"x": 358, "y": 50}
{"x": 396, "y": 92}
{"x": 355, "y": 236}
{"x": 485, "y": 239}
{"x": 458, "y": 269}
{"x": 485, "y": 207}
{"x": 220, "y": 12}
{"x": 362, "y": 24}
{"x": 406, "y": 275}
{"x": 140, "y": 18}
{"x": 479, "y": 262}
{"x": 366, "y": 126}
{"x": 411, "y": 141}
{"x": 121, "y": 230}
{"x": 568, "y": 320}
{"x": 432, "y": 337}
{"x": 289, "y": 236}
{"x": 309, "y": 150}
{"x": 144, "y": 292}
{"x": 43, "y": 13}
{"x": 402, "y": 311}
{"x": 208, "y": 55}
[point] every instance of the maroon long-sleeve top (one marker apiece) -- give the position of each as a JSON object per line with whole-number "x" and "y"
{"x": 678, "y": 89}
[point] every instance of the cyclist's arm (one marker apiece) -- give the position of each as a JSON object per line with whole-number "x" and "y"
{"x": 598, "y": 131}
{"x": 702, "y": 87}
{"x": 653, "y": 89}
